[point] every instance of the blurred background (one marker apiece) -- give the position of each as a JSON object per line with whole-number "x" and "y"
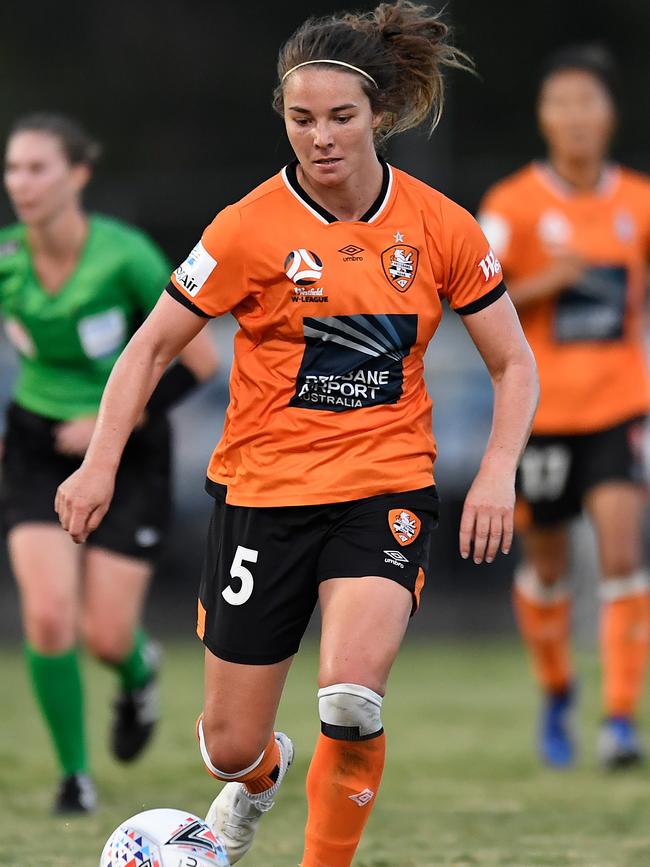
{"x": 179, "y": 93}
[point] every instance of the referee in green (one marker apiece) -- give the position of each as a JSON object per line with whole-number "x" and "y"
{"x": 73, "y": 289}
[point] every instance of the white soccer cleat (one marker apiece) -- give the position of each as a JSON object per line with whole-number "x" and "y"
{"x": 235, "y": 813}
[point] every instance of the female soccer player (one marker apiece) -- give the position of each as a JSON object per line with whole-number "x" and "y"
{"x": 573, "y": 235}
{"x": 73, "y": 288}
{"x": 335, "y": 270}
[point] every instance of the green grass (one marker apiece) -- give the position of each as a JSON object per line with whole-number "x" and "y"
{"x": 462, "y": 786}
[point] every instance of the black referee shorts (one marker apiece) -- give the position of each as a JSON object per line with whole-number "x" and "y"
{"x": 32, "y": 470}
{"x": 263, "y": 565}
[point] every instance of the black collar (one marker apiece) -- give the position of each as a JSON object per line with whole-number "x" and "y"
{"x": 292, "y": 179}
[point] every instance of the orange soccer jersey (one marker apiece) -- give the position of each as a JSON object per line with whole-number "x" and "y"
{"x": 327, "y": 396}
{"x": 588, "y": 339}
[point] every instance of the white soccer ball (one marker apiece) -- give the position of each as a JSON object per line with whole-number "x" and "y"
{"x": 304, "y": 267}
{"x": 164, "y": 838}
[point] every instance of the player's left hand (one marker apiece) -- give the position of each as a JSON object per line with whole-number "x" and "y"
{"x": 73, "y": 437}
{"x": 82, "y": 500}
{"x": 487, "y": 521}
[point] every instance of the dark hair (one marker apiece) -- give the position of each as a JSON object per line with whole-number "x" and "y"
{"x": 401, "y": 45}
{"x": 592, "y": 58}
{"x": 79, "y": 147}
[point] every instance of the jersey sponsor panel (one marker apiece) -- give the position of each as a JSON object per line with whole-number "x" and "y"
{"x": 352, "y": 362}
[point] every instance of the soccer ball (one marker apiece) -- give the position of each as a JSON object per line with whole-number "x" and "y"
{"x": 163, "y": 838}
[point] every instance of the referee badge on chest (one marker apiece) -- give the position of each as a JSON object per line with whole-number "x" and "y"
{"x": 400, "y": 264}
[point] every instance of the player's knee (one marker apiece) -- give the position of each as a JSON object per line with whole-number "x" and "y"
{"x": 105, "y": 640}
{"x": 616, "y": 563}
{"x": 541, "y": 585}
{"x": 227, "y": 754}
{"x": 350, "y": 712}
{"x": 48, "y": 631}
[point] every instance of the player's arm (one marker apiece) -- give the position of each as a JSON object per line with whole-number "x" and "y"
{"x": 83, "y": 499}
{"x": 488, "y": 514}
{"x": 564, "y": 269}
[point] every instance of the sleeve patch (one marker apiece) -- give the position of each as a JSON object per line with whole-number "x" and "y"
{"x": 497, "y": 230}
{"x": 195, "y": 270}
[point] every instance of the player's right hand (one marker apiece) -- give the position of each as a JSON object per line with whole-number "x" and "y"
{"x": 565, "y": 270}
{"x": 82, "y": 500}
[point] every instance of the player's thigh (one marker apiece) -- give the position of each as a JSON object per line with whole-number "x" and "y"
{"x": 372, "y": 570}
{"x": 363, "y": 623}
{"x": 616, "y": 510}
{"x": 614, "y": 494}
{"x": 114, "y": 590}
{"x": 239, "y": 710}
{"x": 46, "y": 564}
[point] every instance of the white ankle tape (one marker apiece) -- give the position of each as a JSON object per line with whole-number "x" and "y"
{"x": 350, "y": 712}
{"x": 215, "y": 771}
{"x": 529, "y": 584}
{"x": 612, "y": 589}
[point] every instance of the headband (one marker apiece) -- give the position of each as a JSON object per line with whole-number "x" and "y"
{"x": 337, "y": 63}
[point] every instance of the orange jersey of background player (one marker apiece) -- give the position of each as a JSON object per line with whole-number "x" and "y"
{"x": 587, "y": 339}
{"x": 327, "y": 396}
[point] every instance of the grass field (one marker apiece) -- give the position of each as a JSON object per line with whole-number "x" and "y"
{"x": 462, "y": 786}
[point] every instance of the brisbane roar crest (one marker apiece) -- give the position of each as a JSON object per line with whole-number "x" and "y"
{"x": 404, "y": 525}
{"x": 400, "y": 264}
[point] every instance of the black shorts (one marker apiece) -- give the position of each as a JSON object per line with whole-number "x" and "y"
{"x": 32, "y": 471}
{"x": 263, "y": 565}
{"x": 556, "y": 472}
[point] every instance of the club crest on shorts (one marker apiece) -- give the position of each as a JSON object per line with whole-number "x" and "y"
{"x": 400, "y": 264}
{"x": 404, "y": 525}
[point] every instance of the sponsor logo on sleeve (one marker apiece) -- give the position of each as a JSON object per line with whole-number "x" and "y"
{"x": 400, "y": 264}
{"x": 490, "y": 265}
{"x": 195, "y": 270}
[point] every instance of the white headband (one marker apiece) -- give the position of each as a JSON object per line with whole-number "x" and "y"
{"x": 337, "y": 63}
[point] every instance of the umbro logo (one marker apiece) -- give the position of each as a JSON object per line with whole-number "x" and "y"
{"x": 362, "y": 798}
{"x": 351, "y": 253}
{"x": 396, "y": 558}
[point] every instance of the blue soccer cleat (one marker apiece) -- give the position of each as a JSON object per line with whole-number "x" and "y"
{"x": 557, "y": 746}
{"x": 618, "y": 743}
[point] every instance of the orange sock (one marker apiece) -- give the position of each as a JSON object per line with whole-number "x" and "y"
{"x": 342, "y": 784}
{"x": 624, "y": 643}
{"x": 259, "y": 777}
{"x": 544, "y": 613}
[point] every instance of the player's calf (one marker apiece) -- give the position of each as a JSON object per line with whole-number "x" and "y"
{"x": 344, "y": 774}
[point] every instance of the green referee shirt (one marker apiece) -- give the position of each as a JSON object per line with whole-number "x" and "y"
{"x": 69, "y": 341}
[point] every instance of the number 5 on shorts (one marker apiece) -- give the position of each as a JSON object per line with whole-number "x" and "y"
{"x": 245, "y": 576}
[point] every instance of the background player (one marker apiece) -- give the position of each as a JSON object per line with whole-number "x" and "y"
{"x": 73, "y": 288}
{"x": 323, "y": 478}
{"x": 573, "y": 235}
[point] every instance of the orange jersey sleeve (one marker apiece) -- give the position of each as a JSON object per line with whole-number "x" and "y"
{"x": 472, "y": 279}
{"x": 211, "y": 280}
